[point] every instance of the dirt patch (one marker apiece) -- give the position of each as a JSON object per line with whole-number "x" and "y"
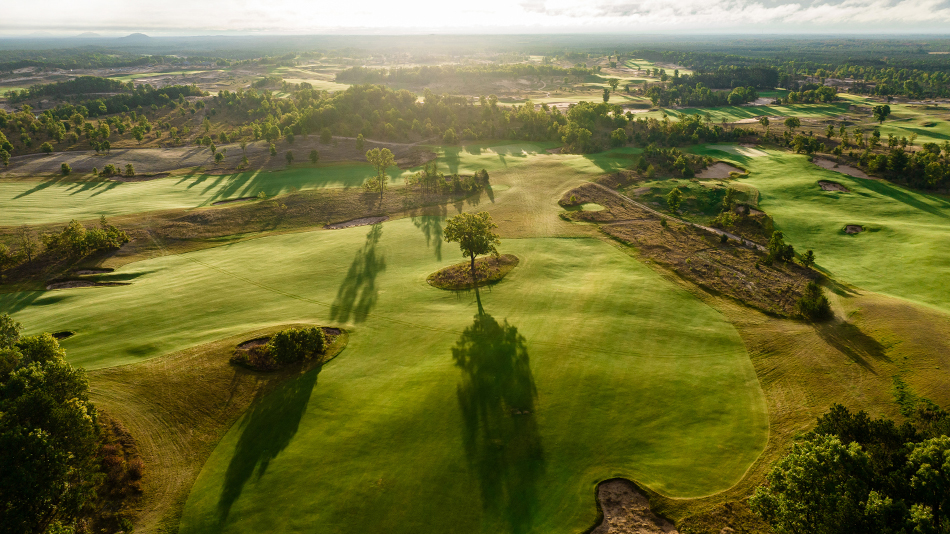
{"x": 557, "y": 150}
{"x": 833, "y": 186}
{"x": 853, "y": 229}
{"x": 363, "y": 221}
{"x": 415, "y": 159}
{"x": 627, "y": 511}
{"x": 70, "y": 284}
{"x": 843, "y": 169}
{"x": 92, "y": 271}
{"x": 256, "y": 342}
{"x": 489, "y": 269}
{"x": 718, "y": 171}
{"x": 232, "y": 200}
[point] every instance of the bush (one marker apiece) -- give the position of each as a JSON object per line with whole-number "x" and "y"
{"x": 813, "y": 305}
{"x": 295, "y": 344}
{"x": 66, "y": 169}
{"x": 109, "y": 170}
{"x": 129, "y": 170}
{"x": 450, "y": 138}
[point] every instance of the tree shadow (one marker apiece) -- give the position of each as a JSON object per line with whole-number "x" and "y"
{"x": 497, "y": 398}
{"x": 431, "y": 226}
{"x": 357, "y": 296}
{"x": 900, "y": 195}
{"x": 266, "y": 431}
{"x": 853, "y": 343}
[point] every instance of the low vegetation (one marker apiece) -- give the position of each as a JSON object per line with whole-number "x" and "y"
{"x": 488, "y": 270}
{"x": 286, "y": 347}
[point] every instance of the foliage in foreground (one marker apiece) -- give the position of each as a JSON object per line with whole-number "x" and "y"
{"x": 857, "y": 474}
{"x": 48, "y": 435}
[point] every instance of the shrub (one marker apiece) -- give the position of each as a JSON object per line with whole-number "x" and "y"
{"x": 110, "y": 170}
{"x": 450, "y": 138}
{"x": 66, "y": 169}
{"x": 314, "y": 156}
{"x": 273, "y": 150}
{"x": 46, "y": 147}
{"x": 129, "y": 170}
{"x": 295, "y": 344}
{"x": 813, "y": 305}
{"x": 326, "y": 136}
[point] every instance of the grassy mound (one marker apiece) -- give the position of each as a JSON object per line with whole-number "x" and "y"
{"x": 489, "y": 270}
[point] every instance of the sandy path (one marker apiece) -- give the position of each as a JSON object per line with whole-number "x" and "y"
{"x": 843, "y": 169}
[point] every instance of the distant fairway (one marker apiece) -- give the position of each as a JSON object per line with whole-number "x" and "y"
{"x": 905, "y": 250}
{"x": 39, "y": 201}
{"x": 615, "y": 372}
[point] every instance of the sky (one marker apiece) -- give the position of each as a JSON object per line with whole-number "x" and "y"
{"x": 203, "y": 17}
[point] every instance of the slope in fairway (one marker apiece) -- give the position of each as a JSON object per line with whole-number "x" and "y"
{"x": 40, "y": 201}
{"x": 614, "y": 371}
{"x": 905, "y": 248}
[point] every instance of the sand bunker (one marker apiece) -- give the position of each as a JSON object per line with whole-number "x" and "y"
{"x": 256, "y": 342}
{"x": 138, "y": 178}
{"x": 853, "y": 229}
{"x": 740, "y": 150}
{"x": 230, "y": 200}
{"x": 92, "y": 271}
{"x": 833, "y": 186}
{"x": 356, "y": 222}
{"x": 70, "y": 284}
{"x": 627, "y": 511}
{"x": 843, "y": 169}
{"x": 718, "y": 171}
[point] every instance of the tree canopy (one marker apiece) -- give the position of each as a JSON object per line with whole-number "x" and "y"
{"x": 474, "y": 232}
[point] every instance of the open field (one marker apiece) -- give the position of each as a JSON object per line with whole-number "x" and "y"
{"x": 902, "y": 227}
{"x": 584, "y": 338}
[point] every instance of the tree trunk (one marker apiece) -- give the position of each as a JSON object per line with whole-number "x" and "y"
{"x": 474, "y": 278}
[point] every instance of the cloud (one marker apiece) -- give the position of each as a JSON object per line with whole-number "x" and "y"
{"x": 307, "y": 16}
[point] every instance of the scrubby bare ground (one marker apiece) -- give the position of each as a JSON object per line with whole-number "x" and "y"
{"x": 695, "y": 254}
{"x": 627, "y": 511}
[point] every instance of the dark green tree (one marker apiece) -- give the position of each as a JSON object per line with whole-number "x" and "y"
{"x": 48, "y": 435}
{"x": 314, "y": 156}
{"x": 674, "y": 199}
{"x": 475, "y": 234}
{"x": 881, "y": 112}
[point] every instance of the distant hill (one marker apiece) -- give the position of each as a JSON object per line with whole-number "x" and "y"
{"x": 136, "y": 37}
{"x": 88, "y": 34}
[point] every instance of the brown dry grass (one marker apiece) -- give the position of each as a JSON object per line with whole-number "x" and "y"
{"x": 177, "y": 407}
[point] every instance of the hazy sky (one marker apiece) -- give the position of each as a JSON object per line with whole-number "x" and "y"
{"x": 112, "y": 17}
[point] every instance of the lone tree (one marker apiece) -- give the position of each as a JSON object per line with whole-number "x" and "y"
{"x": 65, "y": 169}
{"x": 314, "y": 156}
{"x": 474, "y": 232}
{"x": 606, "y": 94}
{"x": 674, "y": 199}
{"x": 792, "y": 122}
{"x": 290, "y": 157}
{"x": 881, "y": 112}
{"x": 381, "y": 158}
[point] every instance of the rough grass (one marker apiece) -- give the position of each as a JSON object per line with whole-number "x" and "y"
{"x": 489, "y": 270}
{"x": 178, "y": 406}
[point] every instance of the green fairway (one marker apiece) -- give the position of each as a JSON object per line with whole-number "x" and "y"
{"x": 394, "y": 425}
{"x": 735, "y": 113}
{"x": 38, "y": 201}
{"x": 438, "y": 417}
{"x": 905, "y": 250}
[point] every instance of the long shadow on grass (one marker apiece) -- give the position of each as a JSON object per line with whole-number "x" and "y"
{"x": 358, "y": 294}
{"x": 497, "y": 398}
{"x": 847, "y": 338}
{"x": 266, "y": 431}
{"x": 431, "y": 226}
